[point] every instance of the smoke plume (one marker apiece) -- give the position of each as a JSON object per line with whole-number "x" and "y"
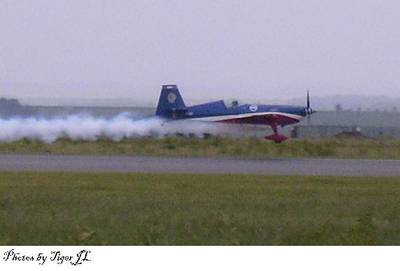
{"x": 86, "y": 127}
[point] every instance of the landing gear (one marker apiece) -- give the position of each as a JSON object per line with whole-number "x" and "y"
{"x": 276, "y": 137}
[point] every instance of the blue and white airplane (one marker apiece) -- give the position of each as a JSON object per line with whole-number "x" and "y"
{"x": 171, "y": 107}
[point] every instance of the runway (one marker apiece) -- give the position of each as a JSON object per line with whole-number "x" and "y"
{"x": 78, "y": 163}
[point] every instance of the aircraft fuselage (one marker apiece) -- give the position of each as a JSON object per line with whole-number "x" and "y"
{"x": 281, "y": 115}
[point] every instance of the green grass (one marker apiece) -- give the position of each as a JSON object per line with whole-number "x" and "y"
{"x": 172, "y": 209}
{"x": 244, "y": 147}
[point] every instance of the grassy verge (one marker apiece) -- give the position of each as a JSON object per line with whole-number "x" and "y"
{"x": 244, "y": 147}
{"x": 130, "y": 209}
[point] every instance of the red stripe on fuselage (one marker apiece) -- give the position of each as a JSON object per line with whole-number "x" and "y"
{"x": 270, "y": 119}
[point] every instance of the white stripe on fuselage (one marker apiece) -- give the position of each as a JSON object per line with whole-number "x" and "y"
{"x": 247, "y": 115}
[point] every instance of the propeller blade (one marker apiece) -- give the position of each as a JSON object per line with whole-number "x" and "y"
{"x": 309, "y": 110}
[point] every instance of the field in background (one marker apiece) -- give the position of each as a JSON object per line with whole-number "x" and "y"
{"x": 172, "y": 209}
{"x": 214, "y": 146}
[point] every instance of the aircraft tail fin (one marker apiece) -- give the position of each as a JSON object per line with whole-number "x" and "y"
{"x": 170, "y": 104}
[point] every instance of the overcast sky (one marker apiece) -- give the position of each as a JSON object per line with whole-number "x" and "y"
{"x": 262, "y": 49}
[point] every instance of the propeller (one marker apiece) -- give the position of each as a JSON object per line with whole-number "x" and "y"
{"x": 309, "y": 110}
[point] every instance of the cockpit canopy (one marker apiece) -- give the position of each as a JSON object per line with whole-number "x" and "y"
{"x": 231, "y": 103}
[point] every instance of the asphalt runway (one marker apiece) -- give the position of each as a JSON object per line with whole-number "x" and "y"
{"x": 78, "y": 163}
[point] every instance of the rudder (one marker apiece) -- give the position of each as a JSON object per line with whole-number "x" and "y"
{"x": 170, "y": 104}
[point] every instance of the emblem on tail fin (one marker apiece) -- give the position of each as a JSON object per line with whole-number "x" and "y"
{"x": 171, "y": 97}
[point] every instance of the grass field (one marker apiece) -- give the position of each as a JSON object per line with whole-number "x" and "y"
{"x": 244, "y": 147}
{"x": 150, "y": 209}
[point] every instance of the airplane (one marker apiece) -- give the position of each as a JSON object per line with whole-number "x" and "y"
{"x": 172, "y": 107}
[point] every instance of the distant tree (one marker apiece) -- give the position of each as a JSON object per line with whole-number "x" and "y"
{"x": 394, "y": 109}
{"x": 338, "y": 108}
{"x": 9, "y": 102}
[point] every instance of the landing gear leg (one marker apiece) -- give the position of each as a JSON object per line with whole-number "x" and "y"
{"x": 276, "y": 137}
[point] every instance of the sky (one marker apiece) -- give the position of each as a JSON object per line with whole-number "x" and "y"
{"x": 116, "y": 49}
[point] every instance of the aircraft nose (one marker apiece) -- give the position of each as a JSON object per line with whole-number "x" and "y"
{"x": 309, "y": 111}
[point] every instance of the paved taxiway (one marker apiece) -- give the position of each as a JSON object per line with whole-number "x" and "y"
{"x": 325, "y": 167}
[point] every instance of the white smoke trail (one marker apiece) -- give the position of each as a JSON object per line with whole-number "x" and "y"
{"x": 92, "y": 128}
